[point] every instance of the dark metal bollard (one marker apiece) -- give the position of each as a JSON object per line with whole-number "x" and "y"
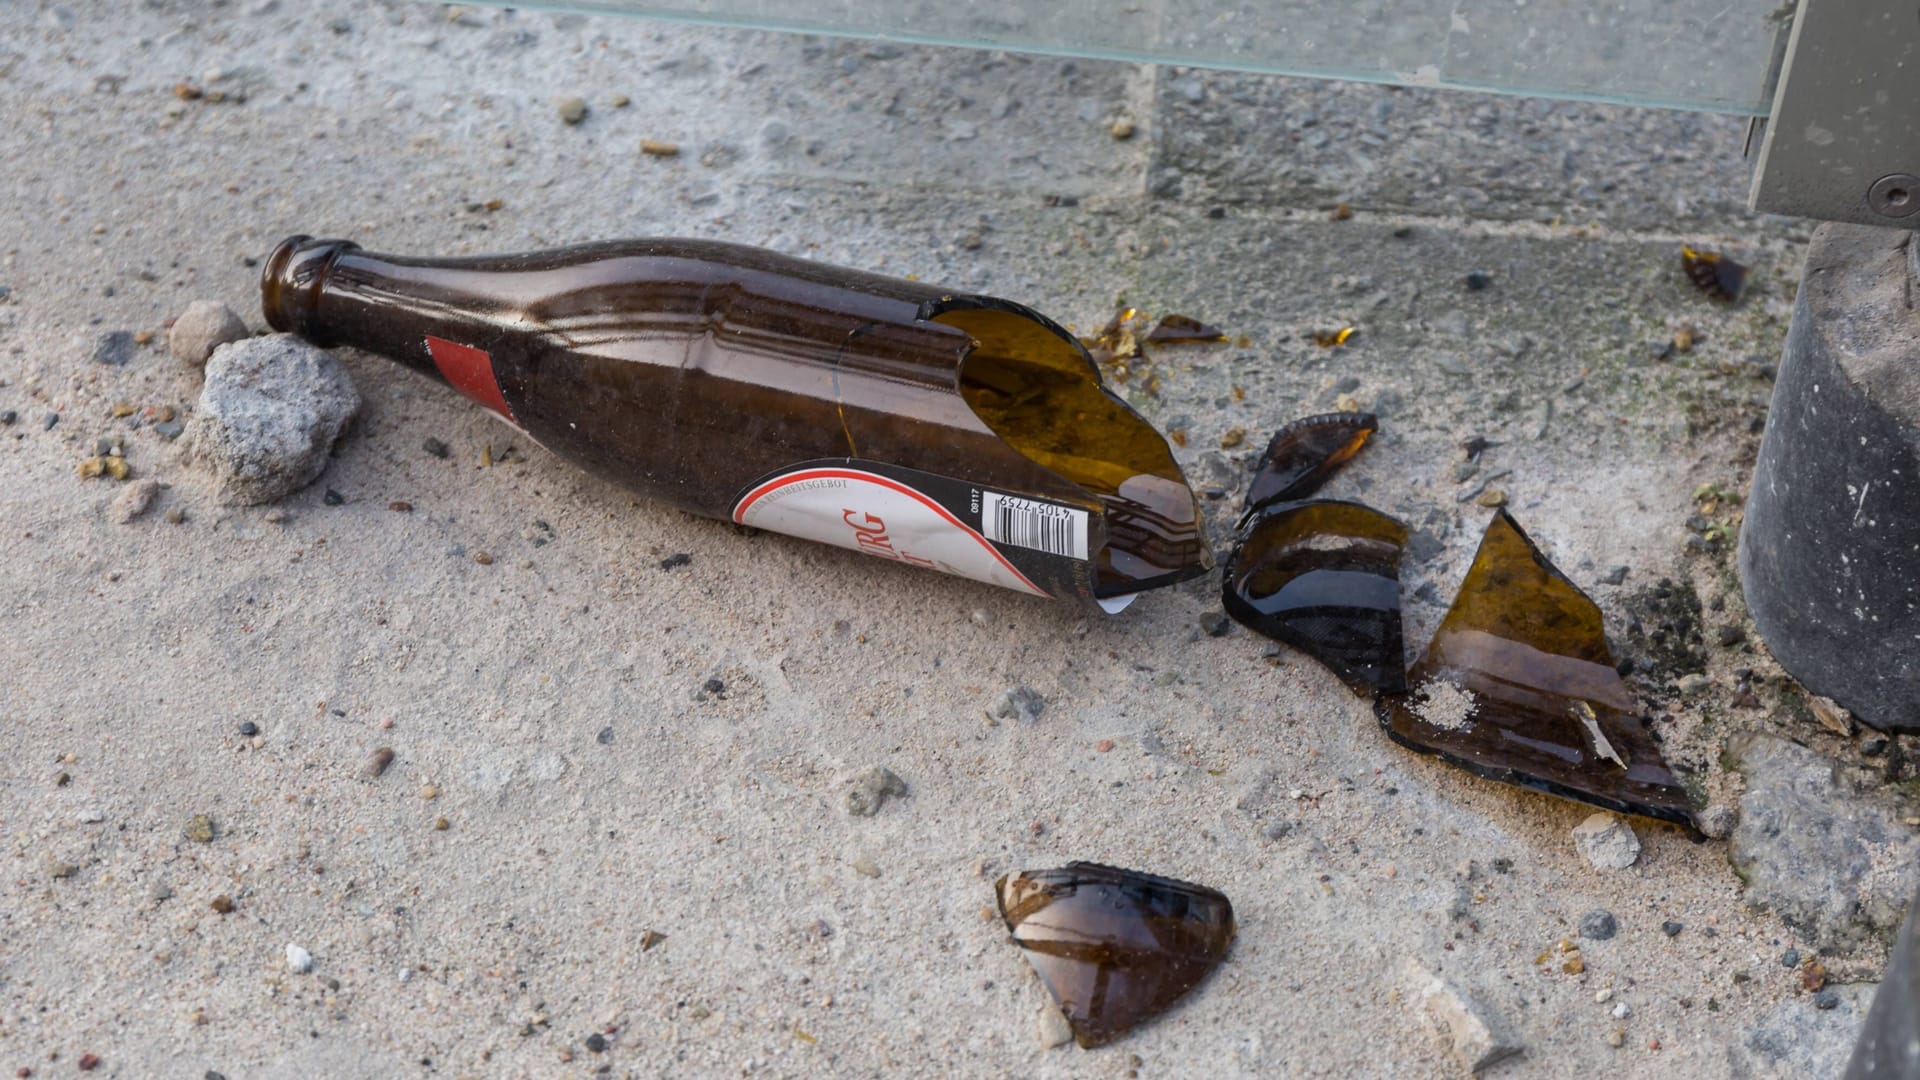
{"x": 1889, "y": 1044}
{"x": 1830, "y": 551}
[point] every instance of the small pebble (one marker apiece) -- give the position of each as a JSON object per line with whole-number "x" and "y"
{"x": 872, "y": 789}
{"x": 1103, "y": 746}
{"x": 1790, "y": 958}
{"x": 657, "y": 148}
{"x": 441, "y": 824}
{"x": 483, "y": 558}
{"x": 1617, "y": 1037}
{"x": 572, "y": 110}
{"x": 714, "y": 686}
{"x": 650, "y": 938}
{"x": 200, "y": 829}
{"x": 378, "y": 763}
{"x": 1671, "y": 928}
{"x": 169, "y": 429}
{"x": 1233, "y": 437}
{"x": 1216, "y": 623}
{"x": 1622, "y": 1010}
{"x": 436, "y": 448}
{"x": 1020, "y": 703}
{"x": 1598, "y": 925}
{"x": 1478, "y": 280}
{"x": 203, "y": 327}
{"x": 605, "y": 738}
{"x": 1492, "y": 498}
{"x": 1051, "y": 1027}
{"x": 596, "y": 1043}
{"x": 114, "y": 348}
{"x": 52, "y": 419}
{"x": 7, "y": 417}
{"x": 1121, "y": 129}
{"x": 135, "y": 500}
{"x": 175, "y": 516}
{"x": 299, "y": 960}
{"x": 675, "y": 561}
{"x": 1341, "y": 212}
{"x": 89, "y": 1062}
{"x": 222, "y": 904}
{"x": 400, "y": 506}
{"x": 866, "y": 867}
{"x": 249, "y": 728}
{"x": 428, "y": 791}
{"x": 1825, "y": 999}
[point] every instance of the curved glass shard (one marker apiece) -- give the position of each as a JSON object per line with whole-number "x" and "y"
{"x": 1714, "y": 274}
{"x": 1183, "y": 330}
{"x": 1324, "y": 577}
{"x": 1305, "y": 454}
{"x": 1519, "y": 686}
{"x": 1114, "y": 947}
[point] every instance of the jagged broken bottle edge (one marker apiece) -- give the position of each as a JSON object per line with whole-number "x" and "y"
{"x": 871, "y": 363}
{"x": 1303, "y": 455}
{"x": 1456, "y": 709}
{"x": 1137, "y": 943}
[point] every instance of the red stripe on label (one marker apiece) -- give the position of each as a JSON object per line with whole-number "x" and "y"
{"x": 771, "y": 486}
{"x": 470, "y": 370}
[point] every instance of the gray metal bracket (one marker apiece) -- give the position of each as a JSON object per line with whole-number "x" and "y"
{"x": 1843, "y": 141}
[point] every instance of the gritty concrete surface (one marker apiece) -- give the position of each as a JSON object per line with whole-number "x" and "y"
{"x": 576, "y": 836}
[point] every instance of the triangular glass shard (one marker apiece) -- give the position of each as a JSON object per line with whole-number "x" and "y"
{"x": 1324, "y": 577}
{"x": 1183, "y": 330}
{"x": 1114, "y": 947}
{"x": 1305, "y": 454}
{"x": 1714, "y": 274}
{"x": 1519, "y": 686}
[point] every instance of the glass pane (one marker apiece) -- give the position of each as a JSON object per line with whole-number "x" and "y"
{"x": 1713, "y": 55}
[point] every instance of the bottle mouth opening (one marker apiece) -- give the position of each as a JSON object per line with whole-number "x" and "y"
{"x": 1036, "y": 388}
{"x": 290, "y": 280}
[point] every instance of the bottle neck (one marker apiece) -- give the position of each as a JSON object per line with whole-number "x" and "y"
{"x": 427, "y": 317}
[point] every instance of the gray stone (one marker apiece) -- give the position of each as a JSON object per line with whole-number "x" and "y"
{"x": 1598, "y": 925}
{"x": 134, "y": 501}
{"x": 572, "y": 110}
{"x": 1480, "y": 1038}
{"x": 299, "y": 960}
{"x": 1021, "y": 703}
{"x": 1830, "y": 546}
{"x": 871, "y": 790}
{"x": 114, "y": 348}
{"x": 269, "y": 412}
{"x": 1834, "y": 862}
{"x": 203, "y": 327}
{"x": 1797, "y": 1038}
{"x": 1607, "y": 842}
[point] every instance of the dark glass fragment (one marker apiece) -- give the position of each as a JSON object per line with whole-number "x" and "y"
{"x": 1305, "y": 454}
{"x": 1519, "y": 686}
{"x": 1714, "y": 274}
{"x": 1114, "y": 947}
{"x": 1183, "y": 330}
{"x": 1324, "y": 577}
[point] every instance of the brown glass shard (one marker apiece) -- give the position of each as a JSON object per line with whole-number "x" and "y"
{"x": 1519, "y": 686}
{"x": 1114, "y": 947}
{"x": 1714, "y": 274}
{"x": 1328, "y": 339}
{"x": 1183, "y": 330}
{"x": 1324, "y": 577}
{"x": 1305, "y": 454}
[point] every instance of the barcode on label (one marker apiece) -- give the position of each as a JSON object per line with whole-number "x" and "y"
{"x": 1042, "y": 526}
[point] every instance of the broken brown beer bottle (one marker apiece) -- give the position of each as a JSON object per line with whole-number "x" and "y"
{"x": 959, "y": 432}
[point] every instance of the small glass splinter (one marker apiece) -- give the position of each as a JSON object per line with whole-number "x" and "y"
{"x": 1304, "y": 455}
{"x": 1324, "y": 577}
{"x": 1114, "y": 947}
{"x": 1714, "y": 274}
{"x": 1183, "y": 330}
{"x": 1519, "y": 686}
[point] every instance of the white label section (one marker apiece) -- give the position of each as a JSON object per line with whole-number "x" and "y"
{"x": 880, "y": 517}
{"x": 1028, "y": 523}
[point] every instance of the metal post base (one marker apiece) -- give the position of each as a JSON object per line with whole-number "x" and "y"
{"x": 1830, "y": 551}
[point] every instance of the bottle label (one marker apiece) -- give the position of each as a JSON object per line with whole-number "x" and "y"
{"x": 1030, "y": 545}
{"x": 470, "y": 371}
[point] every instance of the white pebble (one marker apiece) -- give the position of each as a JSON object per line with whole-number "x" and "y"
{"x": 91, "y": 817}
{"x": 299, "y": 960}
{"x": 1622, "y": 1011}
{"x": 1603, "y": 996}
